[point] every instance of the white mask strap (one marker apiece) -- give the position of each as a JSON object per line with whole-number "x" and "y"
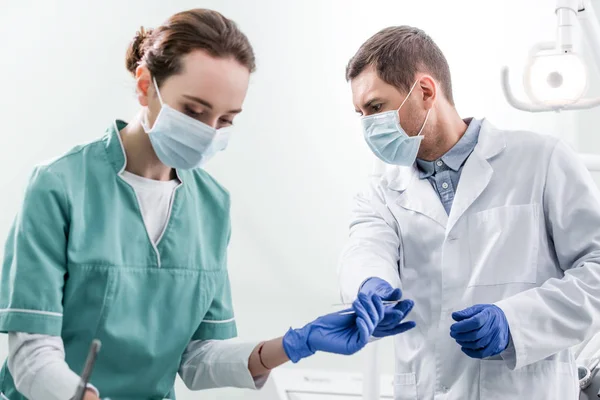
{"x": 408, "y": 95}
{"x": 145, "y": 123}
{"x": 424, "y": 123}
{"x": 157, "y": 91}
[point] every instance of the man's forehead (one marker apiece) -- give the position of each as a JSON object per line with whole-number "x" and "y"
{"x": 365, "y": 88}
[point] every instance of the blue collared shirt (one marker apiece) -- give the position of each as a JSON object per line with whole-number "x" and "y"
{"x": 444, "y": 173}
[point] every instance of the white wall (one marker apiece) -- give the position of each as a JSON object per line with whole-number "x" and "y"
{"x": 588, "y": 121}
{"x": 297, "y": 157}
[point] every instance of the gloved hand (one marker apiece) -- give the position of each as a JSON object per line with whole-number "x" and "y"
{"x": 340, "y": 332}
{"x": 381, "y": 288}
{"x": 392, "y": 324}
{"x": 481, "y": 331}
{"x": 393, "y": 315}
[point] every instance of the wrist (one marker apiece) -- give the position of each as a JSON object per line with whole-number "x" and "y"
{"x": 366, "y": 281}
{"x": 260, "y": 357}
{"x": 369, "y": 285}
{"x": 295, "y": 345}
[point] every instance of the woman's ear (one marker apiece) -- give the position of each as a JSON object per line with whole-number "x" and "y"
{"x": 143, "y": 87}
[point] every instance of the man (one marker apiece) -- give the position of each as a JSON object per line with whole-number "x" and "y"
{"x": 495, "y": 235}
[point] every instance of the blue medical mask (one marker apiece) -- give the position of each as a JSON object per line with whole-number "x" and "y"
{"x": 388, "y": 140}
{"x": 182, "y": 142}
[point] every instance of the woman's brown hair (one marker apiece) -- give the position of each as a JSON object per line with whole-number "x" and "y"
{"x": 161, "y": 49}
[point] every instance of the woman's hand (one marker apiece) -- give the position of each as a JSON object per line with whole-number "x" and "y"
{"x": 90, "y": 395}
{"x": 340, "y": 333}
{"x": 344, "y": 332}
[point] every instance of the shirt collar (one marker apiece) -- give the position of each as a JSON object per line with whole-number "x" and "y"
{"x": 457, "y": 155}
{"x": 115, "y": 151}
{"x": 114, "y": 147}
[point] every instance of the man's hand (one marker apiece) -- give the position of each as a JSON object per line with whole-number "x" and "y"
{"x": 481, "y": 330}
{"x": 392, "y": 324}
{"x": 378, "y": 286}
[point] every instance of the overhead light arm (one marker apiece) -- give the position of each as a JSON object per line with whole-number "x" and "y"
{"x": 588, "y": 21}
{"x": 569, "y": 14}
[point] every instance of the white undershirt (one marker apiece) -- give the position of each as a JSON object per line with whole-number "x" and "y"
{"x": 154, "y": 198}
{"x": 37, "y": 362}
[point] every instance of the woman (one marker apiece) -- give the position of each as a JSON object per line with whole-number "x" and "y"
{"x": 124, "y": 239}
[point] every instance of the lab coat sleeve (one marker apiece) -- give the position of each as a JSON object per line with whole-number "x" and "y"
{"x": 561, "y": 313}
{"x": 34, "y": 266}
{"x": 219, "y": 363}
{"x": 373, "y": 249}
{"x": 219, "y": 321}
{"x": 37, "y": 365}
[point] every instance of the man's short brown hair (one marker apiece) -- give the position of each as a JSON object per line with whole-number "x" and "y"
{"x": 398, "y": 53}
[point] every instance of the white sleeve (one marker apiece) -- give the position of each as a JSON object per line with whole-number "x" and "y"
{"x": 561, "y": 313}
{"x": 373, "y": 249}
{"x": 208, "y": 364}
{"x": 37, "y": 364}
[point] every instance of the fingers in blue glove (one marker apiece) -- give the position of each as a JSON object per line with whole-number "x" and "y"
{"x": 361, "y": 307}
{"x": 382, "y": 288}
{"x": 391, "y": 319}
{"x": 481, "y": 331}
{"x": 379, "y": 308}
{"x": 471, "y": 336}
{"x": 403, "y": 327}
{"x": 395, "y": 294}
{"x": 405, "y": 306}
{"x": 470, "y": 324}
{"x": 478, "y": 344}
{"x": 468, "y": 312}
{"x": 394, "y": 315}
{"x": 373, "y": 305}
{"x": 364, "y": 332}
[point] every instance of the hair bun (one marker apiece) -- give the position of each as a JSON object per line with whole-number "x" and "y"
{"x": 136, "y": 49}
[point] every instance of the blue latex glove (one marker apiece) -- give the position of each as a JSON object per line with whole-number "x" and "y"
{"x": 392, "y": 321}
{"x": 339, "y": 333}
{"x": 380, "y": 287}
{"x": 481, "y": 330}
{"x": 393, "y": 315}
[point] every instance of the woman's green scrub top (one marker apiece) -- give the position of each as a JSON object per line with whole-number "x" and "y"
{"x": 79, "y": 264}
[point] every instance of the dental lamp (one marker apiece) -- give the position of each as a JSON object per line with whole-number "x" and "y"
{"x": 555, "y": 77}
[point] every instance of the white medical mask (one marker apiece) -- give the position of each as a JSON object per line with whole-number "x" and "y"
{"x": 386, "y": 138}
{"x": 182, "y": 142}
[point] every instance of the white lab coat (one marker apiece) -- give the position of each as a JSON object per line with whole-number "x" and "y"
{"x": 523, "y": 233}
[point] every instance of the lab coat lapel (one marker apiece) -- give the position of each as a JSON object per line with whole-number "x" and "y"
{"x": 475, "y": 177}
{"x": 477, "y": 171}
{"x": 419, "y": 196}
